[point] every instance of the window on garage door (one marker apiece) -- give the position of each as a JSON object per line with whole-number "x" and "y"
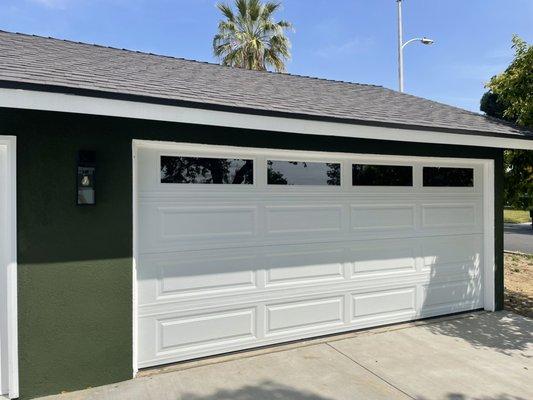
{"x": 202, "y": 170}
{"x": 382, "y": 175}
{"x": 448, "y": 177}
{"x": 303, "y": 173}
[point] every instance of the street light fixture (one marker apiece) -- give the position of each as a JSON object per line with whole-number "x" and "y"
{"x": 401, "y": 44}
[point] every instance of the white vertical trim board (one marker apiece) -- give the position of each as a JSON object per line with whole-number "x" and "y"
{"x": 8, "y": 269}
{"x": 135, "y": 258}
{"x": 488, "y": 227}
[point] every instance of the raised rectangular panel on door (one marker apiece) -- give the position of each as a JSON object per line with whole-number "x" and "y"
{"x": 463, "y": 261}
{"x": 304, "y": 315}
{"x": 464, "y": 217}
{"x": 204, "y": 329}
{"x": 178, "y": 336}
{"x": 186, "y": 274}
{"x": 449, "y": 297}
{"x": 383, "y": 217}
{"x": 386, "y": 303}
{"x": 291, "y": 265}
{"x": 227, "y": 264}
{"x": 384, "y": 257}
{"x": 301, "y": 219}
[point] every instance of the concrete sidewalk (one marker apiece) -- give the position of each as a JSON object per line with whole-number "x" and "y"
{"x": 484, "y": 356}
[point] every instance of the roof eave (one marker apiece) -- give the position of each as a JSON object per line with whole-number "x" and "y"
{"x": 28, "y": 88}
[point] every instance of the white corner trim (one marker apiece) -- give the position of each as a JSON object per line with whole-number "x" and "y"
{"x": 135, "y": 333}
{"x": 47, "y": 101}
{"x": 9, "y": 193}
{"x": 488, "y": 236}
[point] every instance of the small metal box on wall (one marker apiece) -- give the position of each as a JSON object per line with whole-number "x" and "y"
{"x": 86, "y": 171}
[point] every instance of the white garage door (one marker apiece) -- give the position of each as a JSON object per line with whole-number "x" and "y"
{"x": 239, "y": 248}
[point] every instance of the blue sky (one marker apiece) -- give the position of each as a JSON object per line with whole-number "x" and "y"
{"x": 351, "y": 40}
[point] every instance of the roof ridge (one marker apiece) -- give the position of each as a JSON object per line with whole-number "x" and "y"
{"x": 189, "y": 60}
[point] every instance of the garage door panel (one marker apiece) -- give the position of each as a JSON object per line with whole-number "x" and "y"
{"x": 384, "y": 257}
{"x": 459, "y": 271}
{"x": 461, "y": 217}
{"x": 204, "y": 226}
{"x": 205, "y": 223}
{"x": 388, "y": 217}
{"x": 177, "y": 334}
{"x": 297, "y": 264}
{"x": 387, "y": 303}
{"x": 306, "y": 219}
{"x": 223, "y": 267}
{"x": 197, "y": 276}
{"x": 304, "y": 315}
{"x": 456, "y": 293}
{"x": 206, "y": 329}
{"x": 165, "y": 225}
{"x": 467, "y": 250}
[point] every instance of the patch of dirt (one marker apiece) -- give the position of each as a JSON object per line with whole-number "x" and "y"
{"x": 518, "y": 278}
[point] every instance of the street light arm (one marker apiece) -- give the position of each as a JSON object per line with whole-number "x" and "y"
{"x": 410, "y": 41}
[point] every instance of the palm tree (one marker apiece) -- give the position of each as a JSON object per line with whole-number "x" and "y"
{"x": 250, "y": 38}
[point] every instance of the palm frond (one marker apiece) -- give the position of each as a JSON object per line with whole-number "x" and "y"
{"x": 226, "y": 10}
{"x": 270, "y": 8}
{"x": 250, "y": 38}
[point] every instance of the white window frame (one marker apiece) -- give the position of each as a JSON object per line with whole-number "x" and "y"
{"x": 243, "y": 152}
{"x": 8, "y": 191}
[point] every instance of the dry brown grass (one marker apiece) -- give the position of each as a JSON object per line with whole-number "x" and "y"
{"x": 518, "y": 278}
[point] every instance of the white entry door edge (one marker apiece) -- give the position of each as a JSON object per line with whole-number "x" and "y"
{"x": 8, "y": 267}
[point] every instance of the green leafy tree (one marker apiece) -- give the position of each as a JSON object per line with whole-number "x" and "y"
{"x": 250, "y": 38}
{"x": 510, "y": 97}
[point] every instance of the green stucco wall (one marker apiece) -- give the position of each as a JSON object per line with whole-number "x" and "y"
{"x": 75, "y": 282}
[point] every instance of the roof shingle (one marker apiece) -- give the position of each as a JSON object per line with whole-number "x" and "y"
{"x": 65, "y": 64}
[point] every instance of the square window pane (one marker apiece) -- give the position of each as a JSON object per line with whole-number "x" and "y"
{"x": 382, "y": 175}
{"x": 303, "y": 173}
{"x": 448, "y": 177}
{"x": 200, "y": 170}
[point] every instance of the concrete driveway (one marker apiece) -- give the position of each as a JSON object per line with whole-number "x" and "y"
{"x": 518, "y": 237}
{"x": 484, "y": 356}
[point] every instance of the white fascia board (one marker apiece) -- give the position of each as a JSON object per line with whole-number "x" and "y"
{"x": 48, "y": 101}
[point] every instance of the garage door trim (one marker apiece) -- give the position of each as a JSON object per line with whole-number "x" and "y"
{"x": 199, "y": 149}
{"x": 9, "y": 371}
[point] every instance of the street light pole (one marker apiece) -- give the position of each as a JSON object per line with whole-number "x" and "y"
{"x": 401, "y": 44}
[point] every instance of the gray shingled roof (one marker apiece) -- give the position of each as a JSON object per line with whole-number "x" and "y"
{"x": 64, "y": 64}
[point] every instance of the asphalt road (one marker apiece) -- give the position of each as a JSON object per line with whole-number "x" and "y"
{"x": 518, "y": 237}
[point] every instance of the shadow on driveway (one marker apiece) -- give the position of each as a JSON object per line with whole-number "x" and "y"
{"x": 483, "y": 356}
{"x": 506, "y": 333}
{"x": 454, "y": 396}
{"x": 267, "y": 390}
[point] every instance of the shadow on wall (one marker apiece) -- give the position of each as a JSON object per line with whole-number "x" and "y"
{"x": 266, "y": 390}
